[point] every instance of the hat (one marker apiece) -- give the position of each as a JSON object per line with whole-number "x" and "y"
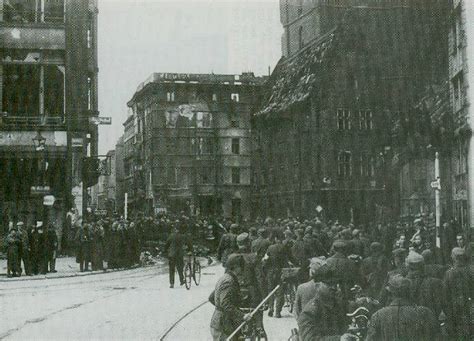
{"x": 356, "y": 232}
{"x": 288, "y": 233}
{"x": 339, "y": 245}
{"x": 308, "y": 230}
{"x": 242, "y": 238}
{"x": 322, "y": 273}
{"x": 234, "y": 260}
{"x": 20, "y": 223}
{"x": 234, "y": 227}
{"x": 261, "y": 231}
{"x": 316, "y": 263}
{"x": 39, "y": 224}
{"x": 415, "y": 260}
{"x": 398, "y": 284}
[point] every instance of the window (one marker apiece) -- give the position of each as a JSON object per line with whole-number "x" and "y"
{"x": 204, "y": 120}
{"x": 366, "y": 120}
{"x": 205, "y": 146}
{"x": 236, "y": 209}
{"x": 170, "y": 96}
{"x": 456, "y": 31}
{"x": 344, "y": 119}
{"x": 458, "y": 91}
{"x": 234, "y": 123}
{"x": 89, "y": 93}
{"x": 206, "y": 175}
{"x": 344, "y": 161}
{"x": 236, "y": 175}
{"x": 89, "y": 38}
{"x": 214, "y": 97}
{"x": 235, "y": 97}
{"x": 300, "y": 38}
{"x": 236, "y": 146}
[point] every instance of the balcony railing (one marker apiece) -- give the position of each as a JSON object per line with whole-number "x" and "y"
{"x": 25, "y": 16}
{"x": 30, "y": 121}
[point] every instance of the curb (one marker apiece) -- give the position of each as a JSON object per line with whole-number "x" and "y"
{"x": 75, "y": 274}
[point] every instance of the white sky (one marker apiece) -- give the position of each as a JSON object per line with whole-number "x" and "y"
{"x": 137, "y": 38}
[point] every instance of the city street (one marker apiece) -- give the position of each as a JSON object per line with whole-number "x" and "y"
{"x": 134, "y": 304}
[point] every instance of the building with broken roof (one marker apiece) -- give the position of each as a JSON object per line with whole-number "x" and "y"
{"x": 191, "y": 143}
{"x": 322, "y": 136}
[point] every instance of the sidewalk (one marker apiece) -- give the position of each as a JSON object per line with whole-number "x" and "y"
{"x": 65, "y": 266}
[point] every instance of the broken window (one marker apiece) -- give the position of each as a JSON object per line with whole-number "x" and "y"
{"x": 53, "y": 91}
{"x": 235, "y": 175}
{"x": 235, "y": 97}
{"x": 236, "y": 146}
{"x": 31, "y": 11}
{"x": 21, "y": 90}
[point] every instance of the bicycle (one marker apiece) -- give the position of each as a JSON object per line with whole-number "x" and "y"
{"x": 192, "y": 271}
{"x": 289, "y": 277}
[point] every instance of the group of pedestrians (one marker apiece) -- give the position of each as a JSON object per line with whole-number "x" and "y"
{"x": 407, "y": 286}
{"x": 111, "y": 241}
{"x": 33, "y": 246}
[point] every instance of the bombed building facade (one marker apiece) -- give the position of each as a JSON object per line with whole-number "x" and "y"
{"x": 48, "y": 90}
{"x": 323, "y": 135}
{"x": 191, "y": 143}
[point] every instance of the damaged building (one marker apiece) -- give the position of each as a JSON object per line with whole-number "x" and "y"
{"x": 187, "y": 143}
{"x": 48, "y": 90}
{"x": 322, "y": 138}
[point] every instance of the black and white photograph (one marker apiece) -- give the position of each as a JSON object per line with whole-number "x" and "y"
{"x": 225, "y": 170}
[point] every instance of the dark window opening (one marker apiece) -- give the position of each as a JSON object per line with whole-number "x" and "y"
{"x": 236, "y": 175}
{"x": 21, "y": 90}
{"x": 236, "y": 146}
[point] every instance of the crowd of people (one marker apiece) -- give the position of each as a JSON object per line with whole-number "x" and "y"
{"x": 35, "y": 247}
{"x": 394, "y": 275}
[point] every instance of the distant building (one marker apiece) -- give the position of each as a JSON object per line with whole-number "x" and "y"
{"x": 349, "y": 70}
{"x": 189, "y": 148}
{"x": 48, "y": 92}
{"x": 119, "y": 176}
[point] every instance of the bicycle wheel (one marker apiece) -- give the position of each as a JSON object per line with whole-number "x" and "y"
{"x": 197, "y": 272}
{"x": 188, "y": 276}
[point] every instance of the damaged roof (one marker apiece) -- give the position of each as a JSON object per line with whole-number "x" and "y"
{"x": 294, "y": 78}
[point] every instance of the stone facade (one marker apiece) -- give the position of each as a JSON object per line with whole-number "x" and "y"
{"x": 192, "y": 142}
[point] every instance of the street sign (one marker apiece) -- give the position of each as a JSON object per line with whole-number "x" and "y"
{"x": 319, "y": 209}
{"x": 100, "y": 120}
{"x": 48, "y": 200}
{"x": 77, "y": 142}
{"x": 436, "y": 184}
{"x": 40, "y": 189}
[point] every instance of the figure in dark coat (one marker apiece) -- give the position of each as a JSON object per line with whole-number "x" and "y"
{"x": 226, "y": 299}
{"x": 12, "y": 247}
{"x": 345, "y": 270}
{"x": 51, "y": 249}
{"x": 227, "y": 244}
{"x": 83, "y": 255}
{"x": 174, "y": 249}
{"x": 402, "y": 319}
{"x": 459, "y": 291}
{"x": 323, "y": 318}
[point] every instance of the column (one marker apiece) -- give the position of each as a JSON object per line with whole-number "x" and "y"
{"x": 468, "y": 22}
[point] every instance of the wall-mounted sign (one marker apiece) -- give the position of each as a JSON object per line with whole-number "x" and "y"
{"x": 100, "y": 120}
{"x": 40, "y": 189}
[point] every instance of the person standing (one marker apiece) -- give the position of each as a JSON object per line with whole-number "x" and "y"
{"x": 459, "y": 291}
{"x": 83, "y": 250}
{"x": 51, "y": 249}
{"x": 402, "y": 319}
{"x": 174, "y": 248}
{"x": 25, "y": 247}
{"x": 12, "y": 246}
{"x": 34, "y": 248}
{"x": 306, "y": 291}
{"x": 226, "y": 299}
{"x": 227, "y": 244}
{"x": 275, "y": 260}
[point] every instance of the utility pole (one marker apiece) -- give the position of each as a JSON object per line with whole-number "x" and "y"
{"x": 437, "y": 200}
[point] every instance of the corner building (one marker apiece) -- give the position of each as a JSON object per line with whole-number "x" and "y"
{"x": 48, "y": 88}
{"x": 323, "y": 134}
{"x": 192, "y": 143}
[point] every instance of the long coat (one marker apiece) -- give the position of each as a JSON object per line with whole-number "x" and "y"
{"x": 304, "y": 294}
{"x": 227, "y": 246}
{"x": 174, "y": 247}
{"x": 426, "y": 291}
{"x": 226, "y": 298}
{"x": 402, "y": 320}
{"x": 459, "y": 286}
{"x": 323, "y": 318}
